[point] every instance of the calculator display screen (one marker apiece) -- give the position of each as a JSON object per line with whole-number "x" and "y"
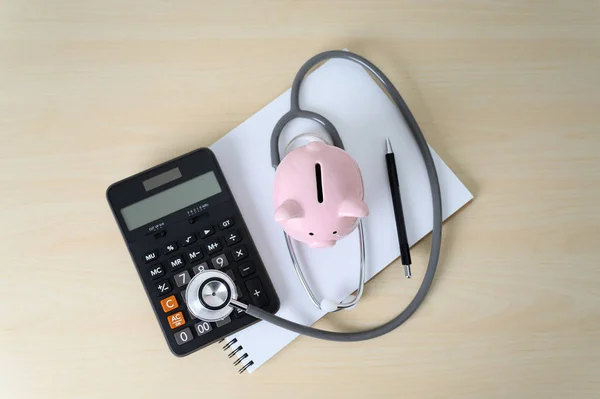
{"x": 171, "y": 200}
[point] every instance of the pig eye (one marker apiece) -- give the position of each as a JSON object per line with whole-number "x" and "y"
{"x": 311, "y": 234}
{"x": 335, "y": 232}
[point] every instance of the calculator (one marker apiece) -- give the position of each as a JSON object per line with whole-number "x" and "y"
{"x": 179, "y": 219}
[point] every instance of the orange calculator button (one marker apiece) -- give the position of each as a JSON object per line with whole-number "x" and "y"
{"x": 169, "y": 304}
{"x": 176, "y": 320}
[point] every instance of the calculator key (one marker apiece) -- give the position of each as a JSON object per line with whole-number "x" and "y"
{"x": 255, "y": 288}
{"x": 176, "y": 320}
{"x": 150, "y": 256}
{"x": 176, "y": 262}
{"x": 188, "y": 240}
{"x": 172, "y": 247}
{"x": 213, "y": 246}
{"x": 160, "y": 234}
{"x": 207, "y": 231}
{"x": 169, "y": 303}
{"x": 182, "y": 278}
{"x": 221, "y": 323}
{"x": 163, "y": 287}
{"x": 239, "y": 253}
{"x": 184, "y": 336}
{"x": 238, "y": 313}
{"x": 219, "y": 261}
{"x": 226, "y": 224}
{"x": 202, "y": 328}
{"x": 232, "y": 237}
{"x": 230, "y": 274}
{"x": 183, "y": 296}
{"x": 194, "y": 254}
{"x": 200, "y": 268}
{"x": 157, "y": 271}
{"x": 246, "y": 269}
{"x": 239, "y": 292}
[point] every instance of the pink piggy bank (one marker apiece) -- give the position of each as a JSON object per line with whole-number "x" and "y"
{"x": 318, "y": 194}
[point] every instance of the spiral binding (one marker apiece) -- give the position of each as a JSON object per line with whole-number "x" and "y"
{"x": 240, "y": 356}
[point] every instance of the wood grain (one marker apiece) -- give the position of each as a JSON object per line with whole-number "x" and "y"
{"x": 507, "y": 92}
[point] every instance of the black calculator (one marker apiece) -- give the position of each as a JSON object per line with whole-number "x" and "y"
{"x": 179, "y": 219}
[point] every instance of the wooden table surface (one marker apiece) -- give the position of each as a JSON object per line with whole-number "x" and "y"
{"x": 508, "y": 93}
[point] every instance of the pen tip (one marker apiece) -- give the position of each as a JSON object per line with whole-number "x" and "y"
{"x": 407, "y": 271}
{"x": 388, "y": 145}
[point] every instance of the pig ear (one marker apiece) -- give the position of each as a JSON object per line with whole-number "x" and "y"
{"x": 353, "y": 208}
{"x": 290, "y": 209}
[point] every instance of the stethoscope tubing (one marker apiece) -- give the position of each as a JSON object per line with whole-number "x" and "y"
{"x": 436, "y": 235}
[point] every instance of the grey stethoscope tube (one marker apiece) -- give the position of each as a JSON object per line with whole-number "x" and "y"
{"x": 436, "y": 237}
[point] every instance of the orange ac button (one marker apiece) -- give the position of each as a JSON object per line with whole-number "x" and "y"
{"x": 169, "y": 304}
{"x": 176, "y": 320}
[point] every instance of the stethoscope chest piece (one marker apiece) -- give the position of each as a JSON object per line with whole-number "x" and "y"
{"x": 209, "y": 294}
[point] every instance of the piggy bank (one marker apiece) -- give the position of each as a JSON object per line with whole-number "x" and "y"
{"x": 318, "y": 194}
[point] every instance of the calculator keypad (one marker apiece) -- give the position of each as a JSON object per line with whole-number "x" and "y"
{"x": 176, "y": 263}
{"x": 220, "y": 261}
{"x": 170, "y": 248}
{"x": 169, "y": 303}
{"x": 257, "y": 293}
{"x": 182, "y": 278}
{"x": 150, "y": 256}
{"x": 246, "y": 269}
{"x": 163, "y": 287}
{"x": 176, "y": 320}
{"x": 202, "y": 327}
{"x": 230, "y": 274}
{"x": 226, "y": 223}
{"x": 194, "y": 254}
{"x": 191, "y": 254}
{"x": 200, "y": 268}
{"x": 239, "y": 253}
{"x": 233, "y": 237}
{"x": 206, "y": 232}
{"x": 156, "y": 271}
{"x": 184, "y": 336}
{"x": 186, "y": 236}
{"x": 190, "y": 239}
{"x": 221, "y": 323}
{"x": 213, "y": 246}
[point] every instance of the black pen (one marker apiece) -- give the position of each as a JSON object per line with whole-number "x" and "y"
{"x": 397, "y": 203}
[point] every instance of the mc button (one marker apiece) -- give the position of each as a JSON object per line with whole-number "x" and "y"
{"x": 157, "y": 271}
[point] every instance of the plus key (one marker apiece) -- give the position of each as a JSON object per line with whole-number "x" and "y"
{"x": 255, "y": 288}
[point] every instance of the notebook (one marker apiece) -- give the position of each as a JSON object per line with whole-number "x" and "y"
{"x": 364, "y": 116}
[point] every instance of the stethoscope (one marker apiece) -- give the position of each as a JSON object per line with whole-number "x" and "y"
{"x": 212, "y": 295}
